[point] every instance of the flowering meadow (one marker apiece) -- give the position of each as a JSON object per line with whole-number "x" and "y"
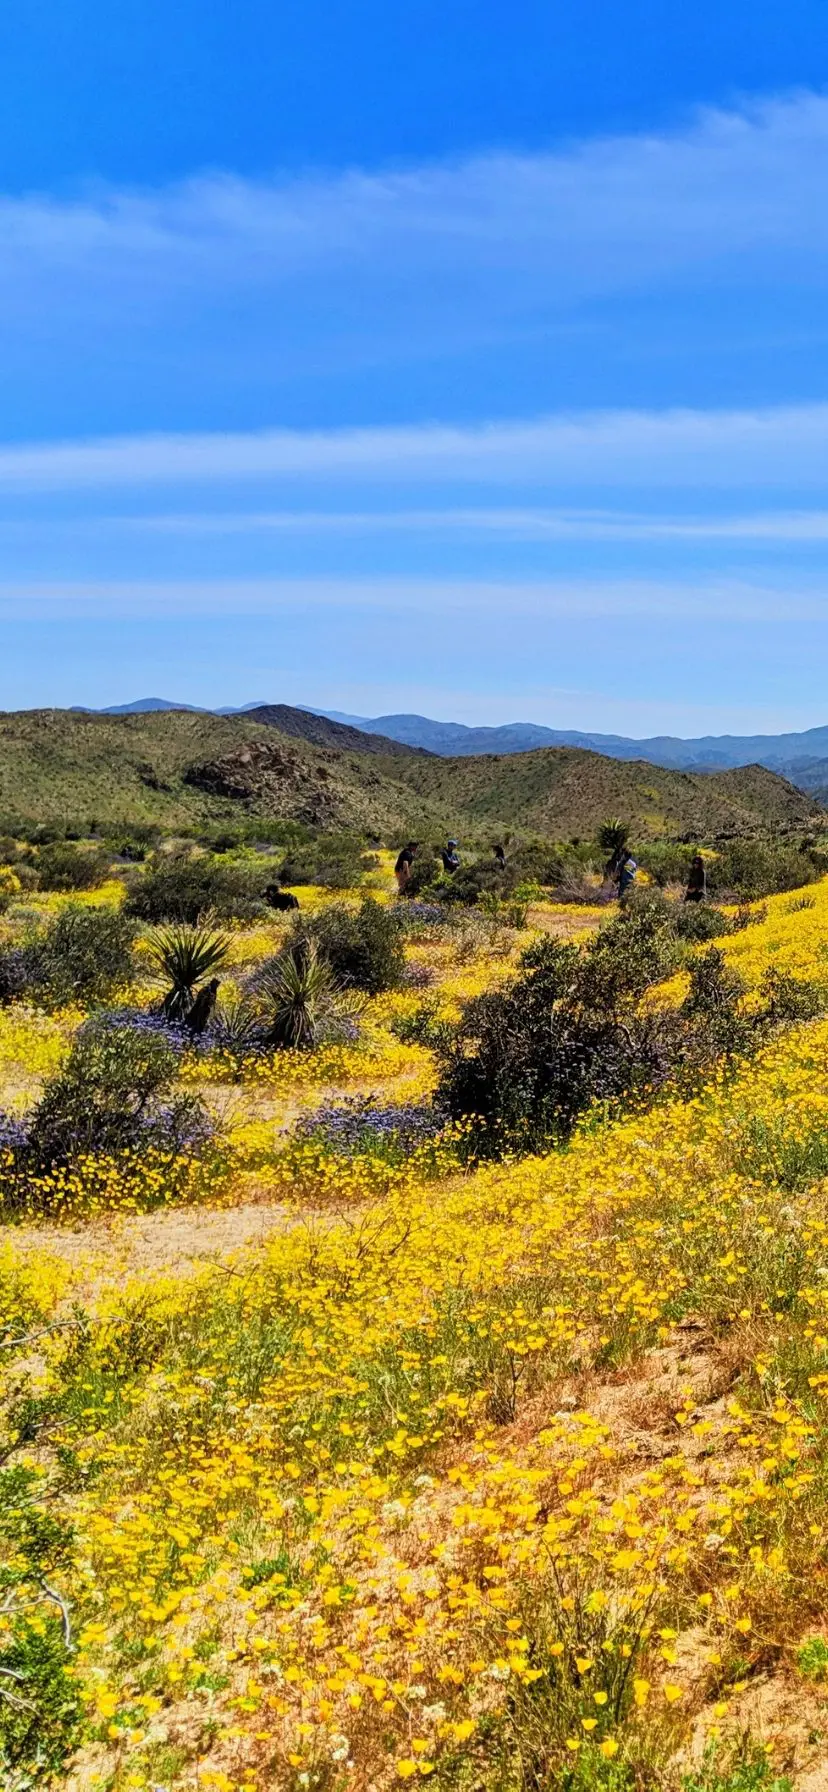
{"x": 502, "y": 1475}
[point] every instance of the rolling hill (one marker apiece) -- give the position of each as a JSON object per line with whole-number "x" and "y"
{"x": 322, "y": 731}
{"x": 561, "y": 791}
{"x": 184, "y": 769}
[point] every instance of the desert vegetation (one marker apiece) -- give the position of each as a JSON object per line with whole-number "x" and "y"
{"x": 412, "y": 1335}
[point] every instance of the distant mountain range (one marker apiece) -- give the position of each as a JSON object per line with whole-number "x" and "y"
{"x": 802, "y": 757}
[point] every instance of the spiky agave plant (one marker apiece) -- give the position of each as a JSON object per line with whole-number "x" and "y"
{"x": 299, "y": 993}
{"x": 182, "y": 957}
{"x": 613, "y": 835}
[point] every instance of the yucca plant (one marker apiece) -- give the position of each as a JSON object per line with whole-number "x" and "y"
{"x": 299, "y": 993}
{"x": 236, "y": 1021}
{"x": 613, "y": 835}
{"x": 182, "y": 957}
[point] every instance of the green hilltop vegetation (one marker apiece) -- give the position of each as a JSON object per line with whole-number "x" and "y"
{"x": 181, "y": 770}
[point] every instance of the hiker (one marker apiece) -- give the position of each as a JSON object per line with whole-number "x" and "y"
{"x": 202, "y": 1009}
{"x": 402, "y": 869}
{"x": 697, "y": 880}
{"x": 450, "y": 857}
{"x": 626, "y": 874}
{"x": 280, "y": 899}
{"x": 500, "y": 857}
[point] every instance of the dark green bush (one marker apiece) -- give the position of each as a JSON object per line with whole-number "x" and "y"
{"x": 333, "y": 860}
{"x": 697, "y": 922}
{"x": 527, "y": 1061}
{"x": 466, "y": 886}
{"x": 184, "y": 886}
{"x": 84, "y": 955}
{"x": 753, "y": 868}
{"x": 364, "y": 947}
{"x": 114, "y": 1095}
{"x": 425, "y": 872}
{"x": 67, "y": 867}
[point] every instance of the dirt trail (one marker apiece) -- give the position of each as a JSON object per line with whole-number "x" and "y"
{"x": 173, "y": 1242}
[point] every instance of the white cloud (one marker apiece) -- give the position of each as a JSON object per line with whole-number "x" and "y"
{"x": 770, "y": 447}
{"x": 487, "y": 601}
{"x": 258, "y": 280}
{"x": 801, "y": 526}
{"x": 607, "y": 208}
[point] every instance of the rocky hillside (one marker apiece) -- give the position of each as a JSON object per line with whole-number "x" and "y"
{"x": 183, "y": 769}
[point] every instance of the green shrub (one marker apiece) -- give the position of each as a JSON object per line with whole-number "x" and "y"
{"x": 528, "y": 1060}
{"x": 755, "y": 868}
{"x": 812, "y": 1658}
{"x": 425, "y": 872}
{"x": 333, "y": 860}
{"x": 83, "y": 955}
{"x": 748, "y": 1770}
{"x": 570, "y": 1032}
{"x": 67, "y": 867}
{"x": 698, "y": 922}
{"x": 364, "y": 947}
{"x": 113, "y": 1095}
{"x": 186, "y": 887}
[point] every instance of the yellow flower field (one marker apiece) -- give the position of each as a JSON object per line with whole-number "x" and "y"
{"x": 503, "y": 1478}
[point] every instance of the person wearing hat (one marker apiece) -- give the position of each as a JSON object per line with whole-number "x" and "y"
{"x": 450, "y": 857}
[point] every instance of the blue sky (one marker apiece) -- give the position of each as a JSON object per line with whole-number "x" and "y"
{"x": 467, "y": 359}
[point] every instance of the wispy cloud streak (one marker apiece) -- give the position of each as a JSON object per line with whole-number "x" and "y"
{"x": 774, "y": 446}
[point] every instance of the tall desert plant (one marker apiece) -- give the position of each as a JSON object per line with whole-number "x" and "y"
{"x": 299, "y": 993}
{"x": 183, "y": 957}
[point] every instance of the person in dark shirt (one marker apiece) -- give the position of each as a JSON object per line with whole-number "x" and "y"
{"x": 500, "y": 857}
{"x": 450, "y": 857}
{"x": 402, "y": 869}
{"x": 696, "y": 881}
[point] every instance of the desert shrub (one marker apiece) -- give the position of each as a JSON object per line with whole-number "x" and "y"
{"x": 666, "y": 861}
{"x": 754, "y": 868}
{"x": 114, "y": 1095}
{"x": 333, "y": 860}
{"x": 423, "y": 1025}
{"x": 83, "y": 955}
{"x": 10, "y": 887}
{"x": 63, "y": 866}
{"x": 467, "y": 885}
{"x": 712, "y": 1003}
{"x": 186, "y": 887}
{"x": 697, "y": 922}
{"x": 425, "y": 873}
{"x": 748, "y": 1769}
{"x": 364, "y": 947}
{"x": 789, "y": 998}
{"x": 527, "y": 1061}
